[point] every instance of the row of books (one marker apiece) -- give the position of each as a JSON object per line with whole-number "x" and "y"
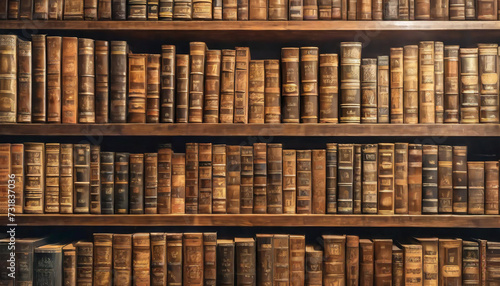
{"x": 384, "y": 178}
{"x": 68, "y": 80}
{"x": 197, "y": 259}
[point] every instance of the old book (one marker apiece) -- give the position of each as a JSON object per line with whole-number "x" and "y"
{"x": 459, "y": 177}
{"x": 242, "y": 10}
{"x": 404, "y": 10}
{"x": 225, "y": 262}
{"x": 364, "y": 10}
{"x": 107, "y": 172}
{"x": 469, "y": 85}
{"x": 396, "y": 84}
{"x": 304, "y": 181}
{"x": 137, "y": 10}
{"x": 350, "y": 86}
{"x": 430, "y": 265}
{"x": 386, "y": 178}
{"x": 357, "y": 179}
{"x": 5, "y": 172}
{"x": 150, "y": 183}
{"x": 297, "y": 259}
{"x": 226, "y": 113}
{"x": 122, "y": 259}
{"x": 73, "y": 10}
{"x": 118, "y": 81}
{"x": 197, "y": 52}
{"x": 153, "y": 88}
{"x": 410, "y": 84}
{"x": 136, "y": 110}
{"x": 352, "y": 260}
{"x": 281, "y": 259}
{"x": 383, "y": 261}
{"x": 445, "y": 180}
{"x": 328, "y": 88}
{"x": 192, "y": 248}
{"x": 457, "y": 10}
{"x": 178, "y": 193}
{"x": 310, "y": 9}
{"x": 377, "y": 10}
{"x": 86, "y": 81}
{"x": 209, "y": 258}
{"x": 319, "y": 181}
{"x": 141, "y": 259}
{"x": 334, "y": 259}
{"x": 397, "y": 266}
{"x": 430, "y": 179}
{"x": 5, "y": 274}
{"x": 439, "y": 81}
{"x": 174, "y": 259}
{"x": 34, "y": 170}
{"x": 121, "y": 192}
{"x": 47, "y": 265}
{"x": 345, "y": 177}
{"x": 25, "y": 10}
{"x": 383, "y": 94}
{"x": 164, "y": 179}
{"x": 54, "y": 46}
{"x": 66, "y": 179}
{"x": 40, "y": 9}
{"x": 265, "y": 257}
{"x": 256, "y": 85}
{"x": 103, "y": 259}
{"x": 412, "y": 261}
{"x": 369, "y": 91}
{"x": 475, "y": 179}
{"x": 84, "y": 262}
{"x": 12, "y": 9}
{"x": 257, "y": 10}
{"x": 81, "y": 199}
{"x": 426, "y": 80}
{"x": 69, "y": 265}
{"x": 470, "y": 10}
{"x": 202, "y": 10}
{"x": 241, "y": 85}
{"x": 491, "y": 175}
{"x": 182, "y": 88}
{"x": 290, "y": 180}
{"x": 183, "y": 9}
{"x": 17, "y": 169}
{"x": 95, "y": 179}
{"x": 136, "y": 185}
{"x": 439, "y": 9}
{"x": 488, "y": 91}
{"x": 290, "y": 85}
{"x": 246, "y": 194}
{"x": 158, "y": 259}
{"x": 39, "y": 71}
{"x": 245, "y": 261}
{"x": 296, "y": 10}
{"x": 192, "y": 166}
{"x": 90, "y": 9}
{"x": 331, "y": 178}
{"x": 205, "y": 178}
{"x": 450, "y": 261}
{"x": 167, "y": 82}
{"x": 337, "y": 10}
{"x": 260, "y": 178}
{"x": 366, "y": 257}
{"x": 23, "y": 81}
{"x": 451, "y": 99}
{"x": 278, "y": 10}
{"x": 272, "y": 97}
{"x": 230, "y": 10}
{"x": 470, "y": 263}
{"x": 401, "y": 178}
{"x": 487, "y": 10}
{"x": 314, "y": 266}
{"x": 219, "y": 173}
{"x": 102, "y": 80}
{"x": 24, "y": 252}
{"x": 370, "y": 178}
{"x": 104, "y": 10}
{"x": 52, "y": 164}
{"x": 482, "y": 261}
{"x": 212, "y": 87}
{"x": 233, "y": 179}
{"x": 492, "y": 255}
{"x": 274, "y": 181}
{"x": 390, "y": 9}
{"x": 351, "y": 9}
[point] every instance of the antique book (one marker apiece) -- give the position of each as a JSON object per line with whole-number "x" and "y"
{"x": 245, "y": 261}
{"x": 24, "y": 255}
{"x": 202, "y": 9}
{"x": 167, "y": 82}
{"x": 404, "y": 10}
{"x": 290, "y": 181}
{"x": 210, "y": 258}
{"x": 102, "y": 80}
{"x": 491, "y": 175}
{"x": 52, "y": 166}
{"x": 310, "y": 9}
{"x": 397, "y": 266}
{"x": 487, "y": 10}
{"x": 141, "y": 259}
{"x": 470, "y": 263}
{"x": 386, "y": 178}
{"x": 470, "y": 10}
{"x": 290, "y": 85}
{"x": 39, "y": 58}
{"x": 103, "y": 259}
{"x": 351, "y": 9}
{"x": 370, "y": 179}
{"x": 246, "y": 193}
{"x": 5, "y": 253}
{"x": 369, "y": 91}
{"x": 272, "y": 96}
{"x": 47, "y": 265}
{"x": 412, "y": 261}
{"x": 278, "y": 10}
{"x": 304, "y": 181}
{"x": 241, "y": 84}
{"x": 17, "y": 169}
{"x": 430, "y": 265}
{"x": 73, "y": 10}
{"x": 121, "y": 183}
{"x": 122, "y": 259}
{"x": 314, "y": 266}
{"x": 107, "y": 171}
{"x": 23, "y": 81}
{"x": 90, "y": 9}
{"x": 225, "y": 262}
{"x": 192, "y": 248}
{"x": 410, "y": 84}
{"x": 482, "y": 260}
{"x": 297, "y": 259}
{"x": 401, "y": 178}
{"x": 192, "y": 166}
{"x": 136, "y": 186}
{"x": 339, "y": 10}
{"x": 233, "y": 179}
{"x": 257, "y": 10}
{"x": 357, "y": 179}
{"x": 158, "y": 259}
{"x": 66, "y": 179}
{"x": 219, "y": 174}
{"x": 345, "y": 177}
{"x": 265, "y": 256}
{"x": 488, "y": 91}
{"x": 150, "y": 183}
{"x": 457, "y": 10}
{"x": 197, "y": 51}
{"x": 450, "y": 261}
{"x": 383, "y": 94}
{"x": 328, "y": 88}
{"x": 95, "y": 179}
{"x": 331, "y": 178}
{"x": 439, "y": 9}
{"x": 153, "y": 88}
{"x": 226, "y": 113}
{"x": 119, "y": 9}
{"x": 40, "y": 10}
{"x": 366, "y": 256}
{"x": 12, "y": 10}
{"x": 174, "y": 259}
{"x": 104, "y": 10}
{"x": 181, "y": 88}
{"x": 281, "y": 259}
{"x": 396, "y": 84}
{"x": 69, "y": 265}
{"x": 459, "y": 177}
{"x": 274, "y": 181}
{"x": 364, "y": 10}
{"x": 430, "y": 179}
{"x": 230, "y": 10}
{"x": 445, "y": 180}
{"x": 5, "y": 172}
{"x": 205, "y": 178}
{"x": 118, "y": 82}
{"x": 178, "y": 193}
{"x": 165, "y": 179}
{"x": 137, "y": 85}
{"x": 260, "y": 178}
{"x": 242, "y": 10}
{"x": 34, "y": 170}
{"x": 492, "y": 256}
{"x": 390, "y": 9}
{"x": 319, "y": 181}
{"x": 377, "y": 10}
{"x": 256, "y": 82}
{"x": 352, "y": 260}
{"x": 84, "y": 262}
{"x": 296, "y": 10}
{"x": 469, "y": 85}
{"x": 81, "y": 199}
{"x": 439, "y": 81}
{"x": 86, "y": 81}
{"x": 451, "y": 98}
{"x": 350, "y": 85}
{"x": 426, "y": 80}
{"x": 212, "y": 87}
{"x": 475, "y": 179}
{"x": 54, "y": 45}
{"x": 334, "y": 259}
{"x": 382, "y": 261}
{"x": 137, "y": 10}
{"x": 325, "y": 9}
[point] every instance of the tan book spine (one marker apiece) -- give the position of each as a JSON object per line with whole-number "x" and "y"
{"x": 102, "y": 81}
{"x": 209, "y": 258}
{"x": 459, "y": 176}
{"x": 274, "y": 178}
{"x": 383, "y": 94}
{"x": 34, "y": 172}
{"x": 450, "y": 261}
{"x": 331, "y": 178}
{"x": 192, "y": 250}
{"x": 241, "y": 85}
{"x": 487, "y": 10}
{"x": 451, "y": 86}
{"x": 122, "y": 259}
{"x": 178, "y": 196}
{"x": 457, "y": 10}
{"x": 256, "y": 85}
{"x": 475, "y": 178}
{"x": 181, "y": 88}
{"x": 257, "y": 10}
{"x": 439, "y": 80}
{"x": 5, "y": 172}
{"x": 319, "y": 181}
{"x": 205, "y": 178}
{"x": 304, "y": 181}
{"x": 352, "y": 260}
{"x": 226, "y": 113}
{"x": 272, "y": 96}
{"x": 233, "y": 179}
{"x": 158, "y": 259}
{"x": 445, "y": 180}
{"x": 337, "y": 10}
{"x": 52, "y": 157}
{"x": 17, "y": 168}
{"x": 103, "y": 249}
{"x": 278, "y": 10}
{"x": 410, "y": 84}
{"x": 84, "y": 262}
{"x": 242, "y": 10}
{"x": 396, "y": 84}
{"x": 66, "y": 179}
{"x": 366, "y": 256}
{"x": 86, "y": 81}
{"x": 192, "y": 186}
{"x": 24, "y": 79}
{"x": 491, "y": 187}
{"x": 357, "y": 184}
{"x": 430, "y": 197}
{"x": 281, "y": 259}
{"x": 165, "y": 179}
{"x": 383, "y": 261}
{"x": 401, "y": 178}
{"x": 297, "y": 259}
{"x": 246, "y": 195}
{"x": 137, "y": 88}
{"x": 153, "y": 88}
{"x": 219, "y": 160}
{"x": 136, "y": 186}
{"x": 197, "y": 54}
{"x": 289, "y": 181}
{"x": 95, "y": 179}
{"x": 426, "y": 79}
{"x": 39, "y": 83}
{"x": 334, "y": 259}
{"x": 174, "y": 259}
{"x": 469, "y": 85}
{"x": 260, "y": 178}
{"x": 328, "y": 88}
{"x": 202, "y": 9}
{"x": 212, "y": 87}
{"x": 350, "y": 82}
{"x": 167, "y": 77}
{"x": 118, "y": 81}
{"x": 325, "y": 9}
{"x": 141, "y": 259}
{"x": 345, "y": 176}
{"x": 470, "y": 10}
{"x": 290, "y": 85}
{"x": 414, "y": 179}
{"x": 230, "y": 10}
{"x": 54, "y": 48}
{"x": 412, "y": 254}
{"x": 369, "y": 91}
{"x": 386, "y": 178}
{"x": 296, "y": 10}
{"x": 377, "y": 8}
{"x": 370, "y": 179}
{"x": 310, "y": 9}
{"x": 430, "y": 256}
{"x": 364, "y": 10}
{"x": 150, "y": 183}
{"x": 488, "y": 83}
{"x": 309, "y": 57}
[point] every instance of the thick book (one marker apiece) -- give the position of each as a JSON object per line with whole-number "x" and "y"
{"x": 451, "y": 87}
{"x": 274, "y": 178}
{"x": 289, "y": 181}
{"x": 383, "y": 94}
{"x": 229, "y": 10}
{"x": 212, "y": 87}
{"x": 54, "y": 46}
{"x": 95, "y": 179}
{"x": 226, "y": 113}
{"x": 233, "y": 179}
{"x": 192, "y": 249}
{"x": 314, "y": 266}
{"x": 445, "y": 180}
{"x": 304, "y": 181}
{"x": 469, "y": 85}
{"x": 345, "y": 181}
{"x": 39, "y": 83}
{"x": 278, "y": 10}
{"x": 103, "y": 259}
{"x": 167, "y": 82}
{"x": 52, "y": 173}
{"x": 136, "y": 184}
{"x": 364, "y": 10}
{"x": 136, "y": 97}
{"x": 102, "y": 80}
{"x": 318, "y": 205}
{"x": 459, "y": 177}
{"x": 153, "y": 88}
{"x": 475, "y": 179}
{"x": 34, "y": 173}
{"x": 150, "y": 183}
{"x": 426, "y": 79}
{"x": 430, "y": 265}
{"x": 90, "y": 9}
{"x": 202, "y": 9}
{"x": 164, "y": 179}
{"x": 491, "y": 176}
{"x": 309, "y": 57}
{"x": 257, "y": 10}
{"x": 366, "y": 260}
{"x": 197, "y": 54}
{"x": 331, "y": 178}
{"x": 118, "y": 82}
{"x": 205, "y": 178}
{"x": 382, "y": 261}
{"x": 412, "y": 261}
{"x": 450, "y": 261}
{"x": 122, "y": 259}
{"x": 439, "y": 81}
{"x": 104, "y": 10}
{"x": 107, "y": 172}
{"x": 297, "y": 259}
{"x": 81, "y": 199}
{"x": 488, "y": 91}
{"x": 328, "y": 88}
{"x": 84, "y": 263}
{"x": 66, "y": 172}
{"x": 386, "y": 178}
{"x": 241, "y": 84}
{"x": 73, "y": 10}
{"x": 352, "y": 260}
{"x": 121, "y": 192}
{"x": 272, "y": 96}
{"x": 158, "y": 259}
{"x": 69, "y": 265}
{"x": 334, "y": 259}
{"x": 487, "y": 10}
{"x": 369, "y": 185}
{"x": 369, "y": 91}
{"x": 401, "y": 178}
{"x": 181, "y": 88}
{"x": 17, "y": 169}
{"x": 141, "y": 259}
{"x": 290, "y": 68}
{"x": 357, "y": 180}
{"x": 296, "y": 10}
{"x": 209, "y": 258}
{"x": 492, "y": 256}
{"x": 246, "y": 194}
{"x": 192, "y": 187}
{"x": 396, "y": 84}
{"x": 24, "y": 255}
{"x": 178, "y": 193}
{"x": 260, "y": 178}
{"x": 350, "y": 82}
{"x": 153, "y": 9}
{"x": 377, "y": 10}
{"x": 310, "y": 9}
{"x": 245, "y": 261}
{"x": 137, "y": 10}
{"x": 219, "y": 173}
{"x": 86, "y": 81}
{"x": 410, "y": 84}
{"x": 265, "y": 257}
{"x": 5, "y": 172}
{"x": 226, "y": 263}
{"x": 174, "y": 259}
{"x": 47, "y": 265}
{"x": 430, "y": 192}
{"x": 256, "y": 85}
{"x": 281, "y": 259}
{"x": 470, "y": 263}
{"x": 183, "y": 9}
{"x": 24, "y": 72}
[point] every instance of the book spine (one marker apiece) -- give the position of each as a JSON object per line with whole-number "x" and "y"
{"x": 136, "y": 185}
{"x": 370, "y": 179}
{"x": 352, "y": 260}
{"x": 281, "y": 258}
{"x": 383, "y": 94}
{"x": 209, "y": 258}
{"x": 141, "y": 263}
{"x": 242, "y": 10}
{"x": 445, "y": 180}
{"x": 260, "y": 178}
{"x": 404, "y": 10}
{"x": 369, "y": 91}
{"x": 122, "y": 259}
{"x": 450, "y": 262}
{"x": 107, "y": 182}
{"x": 69, "y": 265}
{"x": 119, "y": 9}
{"x": 137, "y": 88}
{"x": 470, "y": 10}
{"x": 137, "y": 10}
{"x": 73, "y": 10}
{"x": 150, "y": 183}
{"x": 265, "y": 256}
{"x": 314, "y": 266}
{"x": 40, "y": 9}
{"x": 296, "y": 10}
{"x": 426, "y": 79}
{"x": 337, "y": 9}
{"x": 304, "y": 181}
{"x": 81, "y": 178}
{"x": 90, "y": 9}
{"x": 192, "y": 189}
{"x": 23, "y": 81}
{"x": 451, "y": 98}
{"x": 430, "y": 265}
{"x": 54, "y": 46}
{"x": 439, "y": 81}
{"x": 345, "y": 178}
{"x": 95, "y": 180}
{"x": 183, "y": 9}
{"x": 331, "y": 178}
{"x": 192, "y": 250}
{"x": 377, "y": 9}
{"x": 233, "y": 180}
{"x": 34, "y": 161}
{"x": 309, "y": 58}
{"x": 274, "y": 181}
{"x": 153, "y": 88}
{"x": 25, "y": 10}
{"x": 383, "y": 261}
{"x": 17, "y": 168}
{"x": 230, "y": 10}
{"x": 396, "y": 84}
{"x": 245, "y": 261}
{"x": 390, "y": 9}
{"x": 178, "y": 194}
{"x": 102, "y": 80}
{"x": 491, "y": 187}
{"x": 386, "y": 178}
{"x": 401, "y": 178}
{"x": 297, "y": 259}
{"x": 86, "y": 81}
{"x": 241, "y": 85}
{"x": 412, "y": 264}
{"x": 256, "y": 83}
{"x": 319, "y": 181}
{"x": 328, "y": 88}
{"x": 118, "y": 81}
{"x": 414, "y": 179}
{"x": 84, "y": 263}
{"x": 350, "y": 82}
{"x": 39, "y": 59}
{"x": 290, "y": 85}
{"x": 52, "y": 163}
{"x": 422, "y": 9}
{"x": 488, "y": 91}
{"x": 158, "y": 259}
{"x": 430, "y": 179}
{"x": 103, "y": 260}
{"x": 439, "y": 10}
{"x": 66, "y": 179}
{"x": 5, "y": 172}
{"x": 258, "y": 10}
{"x": 164, "y": 180}
{"x": 482, "y": 261}
{"x": 334, "y": 260}
{"x": 197, "y": 54}
{"x": 174, "y": 259}
{"x": 351, "y": 9}
{"x": 212, "y": 87}
{"x": 364, "y": 10}
{"x": 357, "y": 180}
{"x": 278, "y": 10}
{"x": 475, "y": 179}
{"x": 470, "y": 263}
{"x": 487, "y": 10}
{"x": 181, "y": 88}
{"x": 121, "y": 192}
{"x": 227, "y": 86}
{"x": 469, "y": 85}
{"x": 397, "y": 266}
{"x": 219, "y": 160}
{"x": 202, "y": 10}
{"x": 310, "y": 9}
{"x": 12, "y": 10}
{"x": 410, "y": 84}
{"x": 104, "y": 10}
{"x": 205, "y": 178}
{"x": 246, "y": 195}
{"x": 493, "y": 253}
{"x": 167, "y": 76}
{"x": 457, "y": 10}
{"x": 459, "y": 176}
{"x": 289, "y": 181}
{"x": 366, "y": 256}
{"x": 272, "y": 96}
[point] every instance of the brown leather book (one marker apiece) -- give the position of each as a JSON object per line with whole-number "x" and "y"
{"x": 296, "y": 10}
{"x": 383, "y": 261}
{"x": 103, "y": 260}
{"x": 328, "y": 88}
{"x": 192, "y": 166}
{"x": 475, "y": 179}
{"x": 281, "y": 259}
{"x": 95, "y": 179}
{"x": 86, "y": 81}
{"x": 17, "y": 168}
{"x": 386, "y": 178}
{"x": 426, "y": 82}
{"x": 351, "y": 9}
{"x": 174, "y": 259}
{"x": 178, "y": 193}
{"x": 469, "y": 85}
{"x": 404, "y": 10}
{"x": 181, "y": 88}
{"x": 451, "y": 98}
{"x": 137, "y": 88}
{"x": 401, "y": 178}
{"x": 350, "y": 89}
{"x": 410, "y": 84}
{"x": 457, "y": 10}
{"x": 39, "y": 100}
{"x": 377, "y": 10}
{"x": 352, "y": 260}
{"x": 242, "y": 10}
{"x": 212, "y": 87}
{"x": 396, "y": 68}
{"x": 150, "y": 183}
{"x": 122, "y": 175}
{"x": 192, "y": 248}
{"x": 107, "y": 171}
{"x": 104, "y": 10}
{"x": 66, "y": 179}
{"x": 319, "y": 181}
{"x": 246, "y": 194}
{"x": 450, "y": 261}
{"x": 492, "y": 255}
{"x": 390, "y": 9}
{"x": 141, "y": 261}
{"x": 334, "y": 259}
{"x": 137, "y": 10}
{"x": 413, "y": 259}
{"x": 364, "y": 10}
{"x": 337, "y": 10}
{"x": 69, "y": 265}
{"x": 470, "y": 263}
{"x": 245, "y": 261}
{"x": 167, "y": 81}
{"x": 81, "y": 198}
{"x": 23, "y": 81}
{"x": 289, "y": 181}
{"x": 290, "y": 85}
{"x": 309, "y": 84}
{"x": 439, "y": 80}
{"x": 25, "y": 10}
{"x": 52, "y": 163}
{"x": 118, "y": 82}
{"x": 209, "y": 258}
{"x": 233, "y": 179}
{"x": 197, "y": 51}
{"x": 482, "y": 261}
{"x": 90, "y": 9}
{"x": 257, "y": 10}
{"x": 370, "y": 178}
{"x": 122, "y": 259}
{"x": 304, "y": 182}
{"x": 101, "y": 81}
{"x": 40, "y": 9}
{"x": 383, "y": 94}
{"x": 241, "y": 85}
{"x": 54, "y": 45}
{"x": 73, "y": 10}
{"x": 366, "y": 256}
{"x": 225, "y": 262}
{"x": 34, "y": 163}
{"x": 487, "y": 10}
{"x": 439, "y": 9}
{"x": 310, "y": 9}
{"x": 158, "y": 259}
{"x": 491, "y": 187}
{"x": 274, "y": 178}
{"x": 314, "y": 266}
{"x": 205, "y": 178}
{"x": 136, "y": 186}
{"x": 397, "y": 266}
{"x": 430, "y": 192}
{"x": 345, "y": 178}
{"x": 164, "y": 179}
{"x": 227, "y": 86}
{"x": 260, "y": 178}
{"x": 202, "y": 9}
{"x": 256, "y": 85}
{"x": 272, "y": 96}
{"x": 84, "y": 262}
{"x": 488, "y": 91}
{"x": 219, "y": 160}
{"x": 430, "y": 265}
{"x": 459, "y": 176}
{"x": 12, "y": 10}
{"x": 470, "y": 10}
{"x": 278, "y": 10}
{"x": 369, "y": 91}
{"x": 445, "y": 180}
{"x": 297, "y": 259}
{"x": 153, "y": 88}
{"x": 331, "y": 178}
{"x": 5, "y": 172}
{"x": 230, "y": 10}
{"x": 357, "y": 180}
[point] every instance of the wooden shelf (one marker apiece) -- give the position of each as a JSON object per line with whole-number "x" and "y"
{"x": 209, "y": 129}
{"x": 266, "y": 220}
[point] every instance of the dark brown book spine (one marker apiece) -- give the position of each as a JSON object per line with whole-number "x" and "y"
{"x": 397, "y": 266}
{"x": 54, "y": 46}
{"x": 357, "y": 180}
{"x": 426, "y": 79}
{"x": 197, "y": 55}
{"x": 278, "y": 10}
{"x": 5, "y": 191}
{"x": 121, "y": 183}
{"x": 310, "y": 9}
{"x": 314, "y": 266}
{"x": 445, "y": 180}
{"x": 241, "y": 85}
{"x": 230, "y": 10}
{"x": 205, "y": 178}
{"x": 309, "y": 57}
{"x": 178, "y": 194}
{"x": 488, "y": 90}
{"x": 69, "y": 265}
{"x": 192, "y": 248}
{"x": 101, "y": 81}
{"x": 242, "y": 10}
{"x": 265, "y": 256}
{"x": 136, "y": 186}
{"x": 281, "y": 259}
{"x": 192, "y": 189}
{"x": 430, "y": 179}
{"x": 274, "y": 181}
{"x": 304, "y": 181}
{"x": 410, "y": 84}
{"x": 52, "y": 163}
{"x": 439, "y": 81}
{"x": 86, "y": 81}
{"x": 257, "y": 10}
{"x": 245, "y": 261}
{"x": 260, "y": 178}
{"x": 219, "y": 160}
{"x": 256, "y": 85}
{"x": 364, "y": 10}
{"x": 331, "y": 178}
{"x": 104, "y": 10}
{"x": 225, "y": 262}
{"x": 297, "y": 259}
{"x": 369, "y": 91}
{"x": 118, "y": 82}
{"x": 290, "y": 85}
{"x": 404, "y": 10}
{"x": 345, "y": 178}
{"x": 412, "y": 262}
{"x": 233, "y": 181}
{"x": 401, "y": 178}
{"x": 328, "y": 88}
{"x": 390, "y": 9}
{"x": 141, "y": 259}
{"x": 153, "y": 88}
{"x": 212, "y": 87}
{"x": 174, "y": 259}
{"x": 475, "y": 179}
{"x": 459, "y": 175}
{"x": 386, "y": 178}
{"x": 377, "y": 9}
{"x": 246, "y": 195}
{"x": 167, "y": 92}
{"x": 296, "y": 10}
{"x": 469, "y": 85}
{"x": 181, "y": 88}
{"x": 396, "y": 84}
{"x": 66, "y": 179}
{"x": 486, "y": 9}
{"x": 17, "y": 168}
{"x": 40, "y": 9}
{"x": 90, "y": 9}
{"x": 383, "y": 94}
{"x": 137, "y": 9}
{"x": 23, "y": 81}
{"x": 414, "y": 179}
{"x": 136, "y": 88}
{"x": 39, "y": 100}
{"x": 439, "y": 9}
{"x": 451, "y": 87}
{"x": 34, "y": 169}
{"x": 350, "y": 82}
{"x": 450, "y": 262}
{"x": 103, "y": 260}
{"x": 227, "y": 86}
{"x": 491, "y": 175}
{"x": 492, "y": 255}
{"x": 153, "y": 9}
{"x": 319, "y": 182}
{"x": 352, "y": 260}
{"x": 482, "y": 261}
{"x": 25, "y": 9}
{"x": 107, "y": 182}
{"x": 122, "y": 259}
{"x": 73, "y": 10}
{"x": 470, "y": 10}
{"x": 457, "y": 10}
{"x": 366, "y": 256}
{"x": 272, "y": 96}
{"x": 209, "y": 258}
{"x": 81, "y": 178}
{"x": 95, "y": 179}
{"x": 470, "y": 263}
{"x": 158, "y": 259}
{"x": 334, "y": 259}
{"x": 164, "y": 179}
{"x": 84, "y": 263}
{"x": 383, "y": 261}
{"x": 370, "y": 179}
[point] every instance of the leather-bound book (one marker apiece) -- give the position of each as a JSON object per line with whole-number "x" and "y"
{"x": 445, "y": 180}
{"x": 90, "y": 9}
{"x": 174, "y": 259}
{"x": 5, "y": 172}
{"x": 281, "y": 259}
{"x": 73, "y": 10}
{"x": 192, "y": 250}
{"x": 334, "y": 259}
{"x": 212, "y": 87}
{"x": 86, "y": 81}
{"x": 430, "y": 265}
{"x": 386, "y": 178}
{"x": 396, "y": 84}
{"x": 104, "y": 10}
{"x": 5, "y": 255}
{"x": 158, "y": 259}
{"x": 95, "y": 179}
{"x": 181, "y": 88}
{"x": 225, "y": 262}
{"x": 426, "y": 79}
{"x": 390, "y": 9}
{"x": 52, "y": 163}
{"x": 350, "y": 85}
{"x": 39, "y": 100}
{"x": 25, "y": 10}
{"x": 364, "y": 10}
{"x": 297, "y": 259}
{"x": 197, "y": 53}
{"x": 457, "y": 10}
{"x": 137, "y": 10}
{"x": 141, "y": 259}
{"x": 413, "y": 259}
{"x": 278, "y": 10}
{"x": 103, "y": 259}
{"x": 491, "y": 187}
{"x": 209, "y": 258}
{"x": 439, "y": 81}
{"x": 439, "y": 9}
{"x": 482, "y": 244}
{"x": 245, "y": 261}
{"x": 289, "y": 181}
{"x": 34, "y": 169}
{"x": 430, "y": 179}
{"x": 296, "y": 10}
{"x": 345, "y": 178}
{"x": 84, "y": 262}
{"x": 383, "y": 261}
{"x": 459, "y": 177}
{"x": 54, "y": 46}
{"x": 310, "y": 9}
{"x": 337, "y": 10}
{"x": 265, "y": 256}
{"x": 383, "y": 94}
{"x": 272, "y": 96}
{"x": 450, "y": 261}
{"x": 492, "y": 256}
{"x": 164, "y": 179}
{"x": 469, "y": 85}
{"x": 314, "y": 266}
{"x": 260, "y": 178}
{"x": 242, "y": 10}
{"x": 233, "y": 180}
{"x": 47, "y": 265}
{"x": 304, "y": 181}
{"x": 401, "y": 178}
{"x": 241, "y": 85}
{"x": 404, "y": 10}
{"x": 246, "y": 194}
{"x": 230, "y": 10}
{"x": 475, "y": 179}
{"x": 487, "y": 10}
{"x": 369, "y": 91}
{"x": 414, "y": 179}
{"x": 219, "y": 160}
{"x": 328, "y": 88}
{"x": 101, "y": 81}
{"x": 256, "y": 83}
{"x": 136, "y": 186}
{"x": 257, "y": 10}
{"x": 23, "y": 100}
{"x": 488, "y": 91}
{"x": 202, "y": 9}
{"x": 66, "y": 179}
{"x": 410, "y": 84}
{"x": 167, "y": 83}
{"x": 81, "y": 199}
{"x": 274, "y": 178}
{"x": 370, "y": 179}
{"x": 136, "y": 88}
{"x": 153, "y": 88}
{"x": 357, "y": 180}
{"x": 205, "y": 178}
{"x": 121, "y": 183}
{"x": 192, "y": 166}
{"x": 152, "y": 9}
{"x": 397, "y": 266}
{"x": 290, "y": 85}
{"x": 150, "y": 183}
{"x": 17, "y": 168}
{"x": 366, "y": 256}
{"x": 351, "y": 9}
{"x": 226, "y": 113}
{"x": 319, "y": 181}
{"x": 470, "y": 10}
{"x": 24, "y": 255}
{"x": 470, "y": 263}
{"x": 107, "y": 182}
{"x": 377, "y": 10}
{"x": 352, "y": 260}
{"x": 451, "y": 98}
{"x": 69, "y": 265}
{"x": 178, "y": 196}
{"x": 12, "y": 10}
{"x": 309, "y": 58}
{"x": 331, "y": 178}
{"x": 40, "y": 9}
{"x": 118, "y": 82}
{"x": 122, "y": 259}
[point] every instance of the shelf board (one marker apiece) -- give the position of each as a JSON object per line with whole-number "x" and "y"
{"x": 264, "y": 220}
{"x": 285, "y": 129}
